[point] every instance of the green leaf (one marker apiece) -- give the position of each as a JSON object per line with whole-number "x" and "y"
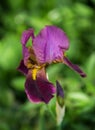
{"x": 79, "y": 99}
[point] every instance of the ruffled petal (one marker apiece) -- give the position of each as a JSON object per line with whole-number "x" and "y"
{"x": 74, "y": 67}
{"x": 50, "y": 44}
{"x": 39, "y": 90}
{"x": 22, "y": 68}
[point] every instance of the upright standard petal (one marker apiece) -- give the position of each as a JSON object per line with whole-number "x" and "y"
{"x": 25, "y": 37}
{"x": 50, "y": 44}
{"x": 39, "y": 90}
{"x": 74, "y": 67}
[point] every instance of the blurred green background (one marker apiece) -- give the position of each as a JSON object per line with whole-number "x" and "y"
{"x": 77, "y": 19}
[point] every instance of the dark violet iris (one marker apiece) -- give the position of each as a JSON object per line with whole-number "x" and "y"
{"x": 48, "y": 47}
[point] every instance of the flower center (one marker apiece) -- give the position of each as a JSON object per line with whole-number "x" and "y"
{"x": 34, "y": 68}
{"x": 34, "y": 72}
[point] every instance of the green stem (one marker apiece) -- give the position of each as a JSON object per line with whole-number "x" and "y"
{"x": 58, "y": 127}
{"x": 53, "y": 116}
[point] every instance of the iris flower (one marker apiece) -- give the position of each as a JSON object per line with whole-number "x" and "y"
{"x": 48, "y": 47}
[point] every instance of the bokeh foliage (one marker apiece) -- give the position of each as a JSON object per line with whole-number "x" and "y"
{"x": 77, "y": 19}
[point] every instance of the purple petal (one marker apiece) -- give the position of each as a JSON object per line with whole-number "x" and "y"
{"x": 26, "y": 35}
{"x": 50, "y": 44}
{"x": 39, "y": 90}
{"x": 25, "y": 54}
{"x": 74, "y": 67}
{"x": 22, "y": 68}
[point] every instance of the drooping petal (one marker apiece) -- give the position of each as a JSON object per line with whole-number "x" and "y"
{"x": 22, "y": 68}
{"x": 39, "y": 90}
{"x": 50, "y": 44}
{"x": 25, "y": 37}
{"x": 74, "y": 67}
